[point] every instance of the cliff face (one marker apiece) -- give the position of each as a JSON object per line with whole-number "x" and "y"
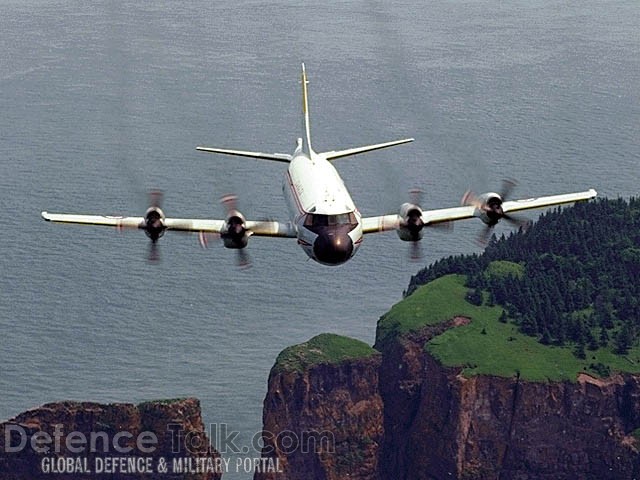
{"x": 324, "y": 422}
{"x": 402, "y": 376}
{"x": 84, "y": 440}
{"x": 426, "y": 421}
{"x": 439, "y": 424}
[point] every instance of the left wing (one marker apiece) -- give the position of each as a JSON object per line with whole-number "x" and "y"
{"x": 385, "y": 223}
{"x": 259, "y": 228}
{"x": 540, "y": 202}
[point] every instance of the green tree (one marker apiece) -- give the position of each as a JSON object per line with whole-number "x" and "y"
{"x": 604, "y": 337}
{"x": 623, "y": 340}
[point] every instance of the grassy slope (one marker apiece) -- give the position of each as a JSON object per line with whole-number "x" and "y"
{"x": 426, "y": 306}
{"x": 502, "y": 268}
{"x": 502, "y": 350}
{"x": 324, "y": 348}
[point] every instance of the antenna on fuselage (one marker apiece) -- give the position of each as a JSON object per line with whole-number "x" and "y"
{"x": 306, "y": 139}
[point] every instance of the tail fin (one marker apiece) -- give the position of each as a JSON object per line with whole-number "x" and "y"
{"x": 306, "y": 139}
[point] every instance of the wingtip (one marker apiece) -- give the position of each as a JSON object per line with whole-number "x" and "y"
{"x": 45, "y": 215}
{"x": 201, "y": 148}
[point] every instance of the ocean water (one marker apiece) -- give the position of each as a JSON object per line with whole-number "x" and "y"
{"x": 101, "y": 102}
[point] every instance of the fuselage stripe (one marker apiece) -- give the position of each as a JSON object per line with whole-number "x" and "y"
{"x": 295, "y": 194}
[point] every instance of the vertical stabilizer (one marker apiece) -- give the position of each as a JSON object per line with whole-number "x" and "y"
{"x": 306, "y": 138}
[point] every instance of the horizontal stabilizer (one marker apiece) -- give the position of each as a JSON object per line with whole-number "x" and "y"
{"x": 278, "y": 157}
{"x": 368, "y": 148}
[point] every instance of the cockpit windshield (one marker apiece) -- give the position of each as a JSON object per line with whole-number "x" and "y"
{"x": 321, "y": 220}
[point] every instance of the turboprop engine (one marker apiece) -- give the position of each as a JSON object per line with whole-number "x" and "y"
{"x": 411, "y": 224}
{"x": 236, "y": 235}
{"x": 489, "y": 209}
{"x": 488, "y": 206}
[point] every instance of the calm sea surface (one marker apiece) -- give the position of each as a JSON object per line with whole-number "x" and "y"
{"x": 102, "y": 101}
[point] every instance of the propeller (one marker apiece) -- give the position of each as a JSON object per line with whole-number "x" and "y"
{"x": 491, "y": 211}
{"x": 414, "y": 224}
{"x": 235, "y": 236}
{"x": 153, "y": 224}
{"x": 242, "y": 259}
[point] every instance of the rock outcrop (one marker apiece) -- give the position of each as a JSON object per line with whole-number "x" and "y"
{"x": 324, "y": 420}
{"x": 84, "y": 440}
{"x": 422, "y": 420}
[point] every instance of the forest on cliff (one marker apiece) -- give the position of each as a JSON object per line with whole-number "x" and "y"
{"x": 569, "y": 280}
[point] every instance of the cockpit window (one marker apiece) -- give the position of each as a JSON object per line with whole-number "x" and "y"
{"x": 320, "y": 220}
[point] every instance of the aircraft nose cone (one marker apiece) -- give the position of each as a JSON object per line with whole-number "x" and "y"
{"x": 333, "y": 248}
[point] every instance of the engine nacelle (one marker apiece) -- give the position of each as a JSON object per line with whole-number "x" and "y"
{"x": 154, "y": 223}
{"x": 236, "y": 234}
{"x": 490, "y": 208}
{"x": 411, "y": 224}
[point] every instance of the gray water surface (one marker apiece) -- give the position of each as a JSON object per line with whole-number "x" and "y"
{"x": 102, "y": 102}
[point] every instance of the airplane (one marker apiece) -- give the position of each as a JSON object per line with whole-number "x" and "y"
{"x": 323, "y": 217}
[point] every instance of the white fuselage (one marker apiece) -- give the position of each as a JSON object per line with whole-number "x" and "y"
{"x": 320, "y": 206}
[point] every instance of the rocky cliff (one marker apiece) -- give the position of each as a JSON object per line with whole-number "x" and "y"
{"x": 323, "y": 413}
{"x": 83, "y": 440}
{"x": 403, "y": 415}
{"x": 440, "y": 424}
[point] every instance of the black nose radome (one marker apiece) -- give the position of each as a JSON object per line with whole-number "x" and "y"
{"x": 333, "y": 248}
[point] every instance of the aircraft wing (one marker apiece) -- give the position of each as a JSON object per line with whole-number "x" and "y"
{"x": 385, "y": 223}
{"x": 540, "y": 202}
{"x": 258, "y": 228}
{"x": 271, "y": 229}
{"x": 381, "y": 223}
{"x": 278, "y": 157}
{"x": 106, "y": 221}
{"x": 354, "y": 151}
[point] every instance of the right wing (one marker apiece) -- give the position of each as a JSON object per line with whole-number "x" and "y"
{"x": 278, "y": 157}
{"x": 100, "y": 220}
